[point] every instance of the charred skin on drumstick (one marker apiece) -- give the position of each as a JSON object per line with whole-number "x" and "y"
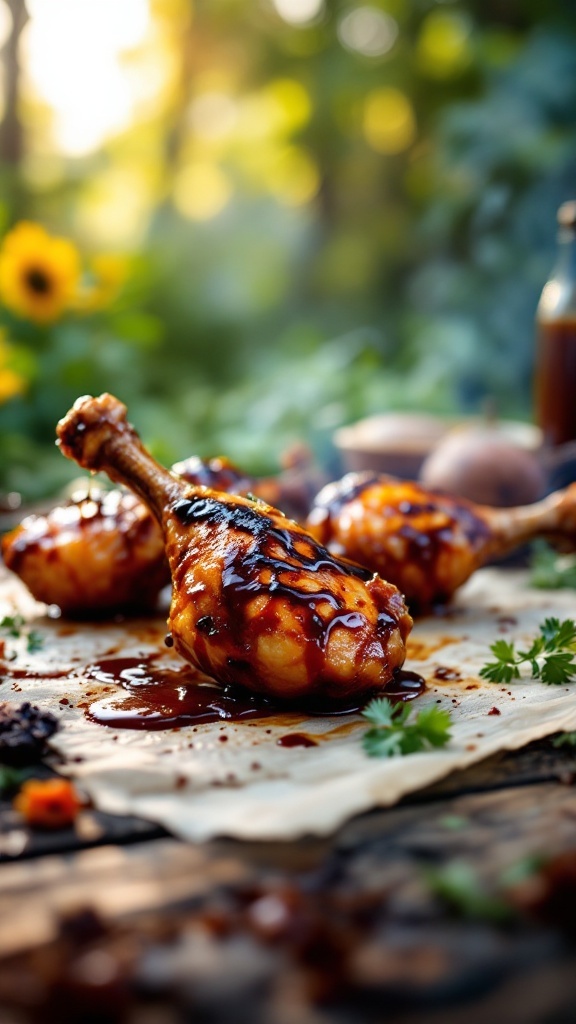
{"x": 99, "y": 553}
{"x": 102, "y": 552}
{"x": 426, "y": 542}
{"x": 256, "y": 601}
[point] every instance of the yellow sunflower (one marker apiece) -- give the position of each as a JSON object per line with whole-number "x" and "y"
{"x": 39, "y": 274}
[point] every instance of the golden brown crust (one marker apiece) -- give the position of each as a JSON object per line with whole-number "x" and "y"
{"x": 100, "y": 552}
{"x": 427, "y": 544}
{"x": 256, "y": 600}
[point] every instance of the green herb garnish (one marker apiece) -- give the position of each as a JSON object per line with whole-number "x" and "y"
{"x": 391, "y": 736}
{"x": 565, "y": 739}
{"x": 15, "y": 626}
{"x": 34, "y": 641}
{"x": 550, "y": 571}
{"x": 11, "y": 779}
{"x": 459, "y": 887}
{"x": 12, "y": 624}
{"x": 552, "y": 656}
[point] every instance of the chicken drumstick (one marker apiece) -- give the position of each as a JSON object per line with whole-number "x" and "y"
{"x": 425, "y": 542}
{"x": 103, "y": 551}
{"x": 255, "y": 601}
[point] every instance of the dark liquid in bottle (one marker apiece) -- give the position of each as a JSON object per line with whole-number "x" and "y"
{"x": 556, "y": 380}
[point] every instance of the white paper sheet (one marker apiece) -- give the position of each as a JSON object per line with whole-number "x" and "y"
{"x": 250, "y": 787}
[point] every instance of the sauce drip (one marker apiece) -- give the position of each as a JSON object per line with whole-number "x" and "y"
{"x": 148, "y": 697}
{"x": 296, "y": 739}
{"x": 406, "y": 685}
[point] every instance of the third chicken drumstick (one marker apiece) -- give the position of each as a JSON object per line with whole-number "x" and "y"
{"x": 256, "y": 601}
{"x": 425, "y": 542}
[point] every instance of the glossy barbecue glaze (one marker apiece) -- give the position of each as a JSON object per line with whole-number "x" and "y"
{"x": 101, "y": 551}
{"x": 256, "y": 601}
{"x": 425, "y": 542}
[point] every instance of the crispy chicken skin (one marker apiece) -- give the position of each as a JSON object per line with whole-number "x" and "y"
{"x": 256, "y": 601}
{"x": 99, "y": 553}
{"x": 103, "y": 551}
{"x": 425, "y": 542}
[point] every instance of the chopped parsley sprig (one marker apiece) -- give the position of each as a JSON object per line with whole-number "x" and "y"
{"x": 551, "y": 571}
{"x": 391, "y": 735}
{"x": 15, "y": 626}
{"x": 551, "y": 656}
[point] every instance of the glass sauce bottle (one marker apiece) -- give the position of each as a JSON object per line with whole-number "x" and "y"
{"x": 556, "y": 339}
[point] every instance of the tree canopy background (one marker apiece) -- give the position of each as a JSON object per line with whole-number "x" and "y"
{"x": 316, "y": 209}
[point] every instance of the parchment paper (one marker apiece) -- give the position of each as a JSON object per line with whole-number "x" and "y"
{"x": 249, "y": 787}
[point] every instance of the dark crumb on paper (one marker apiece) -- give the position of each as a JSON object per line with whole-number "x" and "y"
{"x": 471, "y": 746}
{"x": 494, "y": 711}
{"x": 506, "y": 622}
{"x": 181, "y": 782}
{"x": 255, "y": 766}
{"x": 444, "y": 672}
{"x": 24, "y": 730}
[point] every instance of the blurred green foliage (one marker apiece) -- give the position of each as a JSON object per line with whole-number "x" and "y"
{"x": 324, "y": 222}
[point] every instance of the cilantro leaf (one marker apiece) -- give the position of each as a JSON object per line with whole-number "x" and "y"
{"x": 551, "y": 656}
{"x": 557, "y": 668}
{"x": 551, "y": 571}
{"x": 392, "y": 735}
{"x": 16, "y": 626}
{"x": 34, "y": 641}
{"x": 565, "y": 739}
{"x": 382, "y": 712}
{"x": 382, "y": 743}
{"x": 434, "y": 724}
{"x": 12, "y": 624}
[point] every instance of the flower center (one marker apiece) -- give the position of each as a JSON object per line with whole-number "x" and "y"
{"x": 38, "y": 281}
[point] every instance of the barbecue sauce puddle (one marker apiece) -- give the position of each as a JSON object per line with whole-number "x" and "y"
{"x": 150, "y": 697}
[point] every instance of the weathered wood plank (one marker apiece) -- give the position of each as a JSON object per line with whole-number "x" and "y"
{"x": 539, "y": 762}
{"x": 424, "y": 963}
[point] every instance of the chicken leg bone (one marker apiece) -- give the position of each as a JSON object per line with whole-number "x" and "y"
{"x": 256, "y": 601}
{"x": 426, "y": 542}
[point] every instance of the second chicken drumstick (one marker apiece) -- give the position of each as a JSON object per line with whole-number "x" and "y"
{"x": 256, "y": 601}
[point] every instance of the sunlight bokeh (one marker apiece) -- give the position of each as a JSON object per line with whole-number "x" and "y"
{"x": 73, "y": 62}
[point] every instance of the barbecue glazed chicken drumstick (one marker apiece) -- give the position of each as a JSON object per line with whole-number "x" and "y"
{"x": 256, "y": 601}
{"x": 425, "y": 542}
{"x": 103, "y": 551}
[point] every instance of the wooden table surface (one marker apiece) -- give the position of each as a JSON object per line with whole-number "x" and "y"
{"x": 436, "y": 911}
{"x": 429, "y": 911}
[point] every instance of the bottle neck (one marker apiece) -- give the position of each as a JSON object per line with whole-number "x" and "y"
{"x": 558, "y": 298}
{"x": 566, "y": 254}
